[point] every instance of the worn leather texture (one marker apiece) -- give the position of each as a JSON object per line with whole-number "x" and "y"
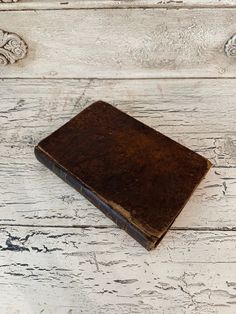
{"x": 136, "y": 175}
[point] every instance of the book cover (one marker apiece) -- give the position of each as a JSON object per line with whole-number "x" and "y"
{"x": 137, "y": 176}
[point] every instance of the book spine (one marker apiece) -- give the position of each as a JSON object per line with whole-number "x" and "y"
{"x": 146, "y": 241}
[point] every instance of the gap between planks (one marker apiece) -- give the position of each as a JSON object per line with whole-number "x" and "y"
{"x": 121, "y": 6}
{"x": 198, "y": 229}
{"x": 118, "y": 78}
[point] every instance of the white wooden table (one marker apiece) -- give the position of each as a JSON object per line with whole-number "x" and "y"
{"x": 162, "y": 62}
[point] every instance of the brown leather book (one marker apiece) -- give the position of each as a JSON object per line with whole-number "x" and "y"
{"x": 137, "y": 176}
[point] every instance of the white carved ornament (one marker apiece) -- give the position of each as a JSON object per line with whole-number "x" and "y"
{"x": 230, "y": 47}
{"x": 12, "y": 48}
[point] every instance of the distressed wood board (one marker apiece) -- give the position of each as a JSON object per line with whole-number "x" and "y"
{"x": 96, "y": 270}
{"x": 91, "y": 43}
{"x": 189, "y": 111}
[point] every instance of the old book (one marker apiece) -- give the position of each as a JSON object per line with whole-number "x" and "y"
{"x": 137, "y": 176}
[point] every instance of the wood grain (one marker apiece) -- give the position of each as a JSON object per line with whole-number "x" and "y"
{"x": 198, "y": 113}
{"x": 111, "y": 44}
{"x": 39, "y": 198}
{"x": 173, "y": 106}
{"x": 96, "y": 270}
{"x": 98, "y": 4}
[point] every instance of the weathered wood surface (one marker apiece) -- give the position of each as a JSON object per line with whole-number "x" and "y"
{"x": 198, "y": 113}
{"x": 58, "y": 253}
{"x": 96, "y": 270}
{"x": 84, "y": 4}
{"x": 112, "y": 44}
{"x": 169, "y": 105}
{"x": 36, "y": 197}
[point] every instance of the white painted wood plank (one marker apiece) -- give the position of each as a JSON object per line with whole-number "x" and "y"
{"x": 111, "y": 43}
{"x": 83, "y": 4}
{"x": 92, "y": 270}
{"x": 40, "y": 198}
{"x": 172, "y": 106}
{"x": 198, "y": 113}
